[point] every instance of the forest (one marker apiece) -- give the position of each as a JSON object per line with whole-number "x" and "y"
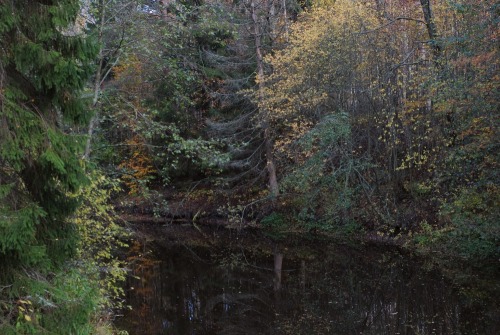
{"x": 355, "y": 120}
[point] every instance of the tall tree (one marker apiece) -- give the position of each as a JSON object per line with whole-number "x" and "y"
{"x": 45, "y": 60}
{"x": 268, "y": 142}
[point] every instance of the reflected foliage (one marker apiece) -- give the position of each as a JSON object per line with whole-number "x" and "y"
{"x": 323, "y": 289}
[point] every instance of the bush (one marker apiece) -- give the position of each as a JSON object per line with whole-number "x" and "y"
{"x": 79, "y": 296}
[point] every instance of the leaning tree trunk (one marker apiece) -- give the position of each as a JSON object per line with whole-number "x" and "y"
{"x": 431, "y": 30}
{"x": 97, "y": 83}
{"x": 268, "y": 143}
{"x": 101, "y": 75}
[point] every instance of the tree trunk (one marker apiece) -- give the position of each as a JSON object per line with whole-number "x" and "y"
{"x": 278, "y": 263}
{"x": 303, "y": 276}
{"x": 268, "y": 143}
{"x": 100, "y": 77}
{"x": 164, "y": 11}
{"x": 97, "y": 85}
{"x": 285, "y": 20}
{"x": 431, "y": 29}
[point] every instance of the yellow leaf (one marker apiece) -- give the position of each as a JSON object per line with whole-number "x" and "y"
{"x": 27, "y": 317}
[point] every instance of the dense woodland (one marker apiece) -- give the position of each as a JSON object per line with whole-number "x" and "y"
{"x": 352, "y": 118}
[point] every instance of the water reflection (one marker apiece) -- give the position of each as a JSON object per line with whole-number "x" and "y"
{"x": 320, "y": 289}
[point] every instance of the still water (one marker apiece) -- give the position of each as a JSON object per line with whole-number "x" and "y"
{"x": 236, "y": 284}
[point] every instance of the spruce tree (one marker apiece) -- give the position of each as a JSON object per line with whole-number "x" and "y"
{"x": 44, "y": 63}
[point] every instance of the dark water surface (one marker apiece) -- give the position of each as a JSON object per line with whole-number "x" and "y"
{"x": 243, "y": 285}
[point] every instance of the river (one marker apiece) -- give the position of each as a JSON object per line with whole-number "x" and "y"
{"x": 224, "y": 282}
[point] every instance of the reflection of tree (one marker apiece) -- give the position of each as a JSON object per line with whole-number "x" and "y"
{"x": 327, "y": 290}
